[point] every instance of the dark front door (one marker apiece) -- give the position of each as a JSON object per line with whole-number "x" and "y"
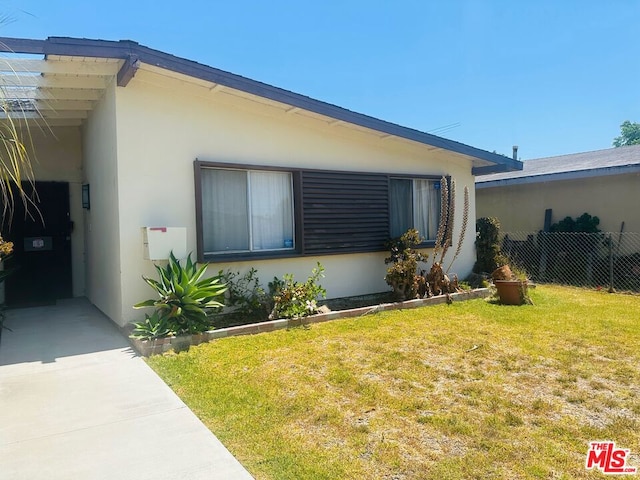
{"x": 42, "y": 248}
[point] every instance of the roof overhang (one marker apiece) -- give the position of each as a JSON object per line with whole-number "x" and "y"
{"x": 126, "y": 57}
{"x": 555, "y": 177}
{"x": 54, "y": 90}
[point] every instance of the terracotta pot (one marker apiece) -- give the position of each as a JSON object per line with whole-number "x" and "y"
{"x": 511, "y": 292}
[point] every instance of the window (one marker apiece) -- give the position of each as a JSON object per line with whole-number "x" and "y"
{"x": 246, "y": 211}
{"x": 414, "y": 203}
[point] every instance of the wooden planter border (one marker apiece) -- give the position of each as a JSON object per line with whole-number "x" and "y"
{"x": 147, "y": 348}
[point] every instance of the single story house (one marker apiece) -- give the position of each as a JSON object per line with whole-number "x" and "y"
{"x": 602, "y": 183}
{"x": 138, "y": 151}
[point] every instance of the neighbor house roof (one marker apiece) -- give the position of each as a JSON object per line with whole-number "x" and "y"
{"x": 131, "y": 54}
{"x": 612, "y": 161}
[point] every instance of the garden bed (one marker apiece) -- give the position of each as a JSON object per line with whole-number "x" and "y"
{"x": 339, "y": 308}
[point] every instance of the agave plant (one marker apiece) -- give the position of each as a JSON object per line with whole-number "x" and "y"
{"x": 184, "y": 297}
{"x": 154, "y": 326}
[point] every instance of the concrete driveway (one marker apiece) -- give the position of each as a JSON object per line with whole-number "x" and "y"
{"x": 77, "y": 403}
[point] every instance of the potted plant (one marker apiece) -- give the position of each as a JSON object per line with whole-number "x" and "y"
{"x": 512, "y": 286}
{"x": 6, "y": 249}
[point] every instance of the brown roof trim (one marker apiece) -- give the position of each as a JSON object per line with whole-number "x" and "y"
{"x": 126, "y": 49}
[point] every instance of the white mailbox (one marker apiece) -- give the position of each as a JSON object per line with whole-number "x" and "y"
{"x": 160, "y": 241}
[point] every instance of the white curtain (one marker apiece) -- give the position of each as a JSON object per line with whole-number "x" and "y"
{"x": 401, "y": 212}
{"x": 426, "y": 207}
{"x": 434, "y": 209}
{"x": 225, "y": 220}
{"x": 271, "y": 210}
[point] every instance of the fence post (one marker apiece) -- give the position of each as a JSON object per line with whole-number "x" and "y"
{"x": 610, "y": 242}
{"x": 544, "y": 244}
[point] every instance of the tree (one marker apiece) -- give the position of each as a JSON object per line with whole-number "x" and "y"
{"x": 15, "y": 159}
{"x": 629, "y": 134}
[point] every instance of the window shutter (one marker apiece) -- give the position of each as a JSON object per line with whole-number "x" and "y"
{"x": 344, "y": 212}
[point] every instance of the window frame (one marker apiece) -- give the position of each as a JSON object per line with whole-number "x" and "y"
{"x": 203, "y": 256}
{"x": 428, "y": 243}
{"x": 298, "y": 213}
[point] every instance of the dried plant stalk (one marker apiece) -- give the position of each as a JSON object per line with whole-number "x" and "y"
{"x": 444, "y": 210}
{"x": 465, "y": 220}
{"x": 448, "y": 233}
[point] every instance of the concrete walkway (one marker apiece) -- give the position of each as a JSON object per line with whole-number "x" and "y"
{"x": 77, "y": 403}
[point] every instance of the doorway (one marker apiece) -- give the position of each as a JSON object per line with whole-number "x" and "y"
{"x": 42, "y": 248}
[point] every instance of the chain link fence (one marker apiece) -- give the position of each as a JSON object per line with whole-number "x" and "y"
{"x": 599, "y": 260}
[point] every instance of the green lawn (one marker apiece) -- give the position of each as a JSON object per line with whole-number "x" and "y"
{"x": 469, "y": 390}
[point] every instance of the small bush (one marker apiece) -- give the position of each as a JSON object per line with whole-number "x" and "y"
{"x": 475, "y": 280}
{"x": 402, "y": 276}
{"x": 293, "y": 299}
{"x": 245, "y": 294}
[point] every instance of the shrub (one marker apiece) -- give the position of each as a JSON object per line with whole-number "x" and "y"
{"x": 245, "y": 294}
{"x": 403, "y": 276}
{"x": 585, "y": 223}
{"x": 487, "y": 245}
{"x": 292, "y": 299}
{"x": 184, "y": 297}
{"x": 6, "y": 251}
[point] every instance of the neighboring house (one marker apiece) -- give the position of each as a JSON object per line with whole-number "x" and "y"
{"x": 258, "y": 176}
{"x": 603, "y": 183}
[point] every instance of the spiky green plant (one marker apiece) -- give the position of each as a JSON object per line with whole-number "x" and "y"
{"x": 184, "y": 297}
{"x": 152, "y": 327}
{"x": 16, "y": 143}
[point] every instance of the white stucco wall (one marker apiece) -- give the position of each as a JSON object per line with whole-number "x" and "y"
{"x": 102, "y": 240}
{"x": 163, "y": 125}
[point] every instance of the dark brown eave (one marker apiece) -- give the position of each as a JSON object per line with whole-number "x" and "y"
{"x": 131, "y": 52}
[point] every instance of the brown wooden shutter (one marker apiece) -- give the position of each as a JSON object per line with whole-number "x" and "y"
{"x": 344, "y": 212}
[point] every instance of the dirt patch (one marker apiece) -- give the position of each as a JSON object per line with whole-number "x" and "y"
{"x": 346, "y": 303}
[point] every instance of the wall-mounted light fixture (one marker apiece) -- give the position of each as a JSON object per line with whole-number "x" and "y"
{"x": 86, "y": 198}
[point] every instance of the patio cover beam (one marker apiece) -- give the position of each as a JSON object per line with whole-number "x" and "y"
{"x": 65, "y": 114}
{"x": 52, "y": 94}
{"x": 55, "y": 81}
{"x": 58, "y": 67}
{"x": 59, "y": 105}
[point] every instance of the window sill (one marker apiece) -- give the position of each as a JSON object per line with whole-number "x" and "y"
{"x": 248, "y": 256}
{"x": 427, "y": 244}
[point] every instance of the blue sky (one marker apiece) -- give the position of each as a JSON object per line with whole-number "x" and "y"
{"x": 553, "y": 77}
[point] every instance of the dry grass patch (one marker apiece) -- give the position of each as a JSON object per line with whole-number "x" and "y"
{"x": 469, "y": 390}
